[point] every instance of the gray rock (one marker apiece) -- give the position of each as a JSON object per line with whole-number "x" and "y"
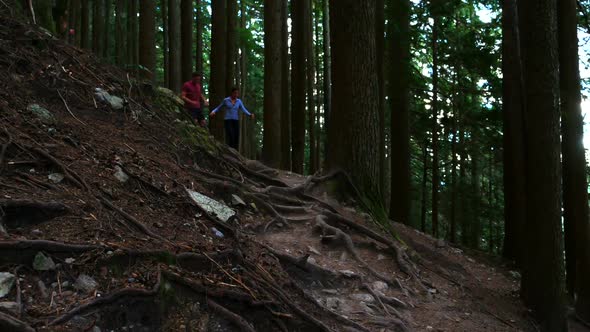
{"x": 70, "y": 260}
{"x": 11, "y": 307}
{"x": 120, "y": 175}
{"x": 381, "y": 257}
{"x": 237, "y": 201}
{"x": 7, "y": 281}
{"x": 42, "y": 114}
{"x": 348, "y": 273}
{"x": 363, "y": 297}
{"x": 332, "y": 303}
{"x": 114, "y": 102}
{"x": 217, "y": 233}
{"x": 43, "y": 263}
{"x": 85, "y": 283}
{"x": 37, "y": 232}
{"x": 42, "y": 289}
{"x": 379, "y": 286}
{"x": 65, "y": 284}
{"x": 56, "y": 177}
{"x": 219, "y": 210}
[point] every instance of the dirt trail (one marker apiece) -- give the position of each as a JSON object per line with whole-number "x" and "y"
{"x": 98, "y": 231}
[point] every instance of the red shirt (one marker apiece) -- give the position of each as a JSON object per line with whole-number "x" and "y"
{"x": 193, "y": 92}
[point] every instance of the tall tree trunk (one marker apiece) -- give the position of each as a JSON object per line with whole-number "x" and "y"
{"x": 120, "y": 32}
{"x": 271, "y": 151}
{"x": 199, "y": 55}
{"x": 310, "y": 67}
{"x": 285, "y": 95}
{"x": 354, "y": 131}
{"x": 85, "y": 25}
{"x": 400, "y": 124}
{"x": 514, "y": 151}
{"x": 165, "y": 42}
{"x": 435, "y": 170}
{"x": 244, "y": 125}
{"x": 147, "y": 37}
{"x": 318, "y": 87}
{"x": 187, "y": 21}
{"x": 217, "y": 87}
{"x": 132, "y": 35}
{"x": 231, "y": 49}
{"x": 380, "y": 44}
{"x": 108, "y": 13}
{"x": 425, "y": 158}
{"x": 98, "y": 27}
{"x": 327, "y": 72}
{"x": 543, "y": 273}
{"x": 174, "y": 34}
{"x": 474, "y": 198}
{"x": 43, "y": 11}
{"x": 298, "y": 84}
{"x": 575, "y": 195}
{"x": 454, "y": 187}
{"x": 74, "y": 22}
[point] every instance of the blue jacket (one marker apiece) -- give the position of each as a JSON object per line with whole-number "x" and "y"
{"x": 231, "y": 110}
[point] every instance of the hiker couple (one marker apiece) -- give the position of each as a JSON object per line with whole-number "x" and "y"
{"x": 192, "y": 95}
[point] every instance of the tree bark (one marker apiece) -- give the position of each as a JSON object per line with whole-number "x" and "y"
{"x": 85, "y": 25}
{"x": 44, "y": 15}
{"x": 218, "y": 61}
{"x": 543, "y": 273}
{"x": 575, "y": 195}
{"x": 434, "y": 106}
{"x": 165, "y": 42}
{"x": 310, "y": 67}
{"x": 132, "y": 35}
{"x": 424, "y": 186}
{"x": 199, "y": 55}
{"x": 514, "y": 151}
{"x": 285, "y": 95}
{"x": 380, "y": 44}
{"x": 147, "y": 38}
{"x": 298, "y": 85}
{"x": 231, "y": 39}
{"x": 271, "y": 151}
{"x": 174, "y": 36}
{"x": 121, "y": 32}
{"x": 400, "y": 124}
{"x": 327, "y": 72}
{"x": 98, "y": 27}
{"x": 354, "y": 128}
{"x": 187, "y": 21}
{"x": 108, "y": 13}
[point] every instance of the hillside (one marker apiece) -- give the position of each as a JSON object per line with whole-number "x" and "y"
{"x": 101, "y": 230}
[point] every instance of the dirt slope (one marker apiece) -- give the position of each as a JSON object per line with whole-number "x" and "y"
{"x": 102, "y": 236}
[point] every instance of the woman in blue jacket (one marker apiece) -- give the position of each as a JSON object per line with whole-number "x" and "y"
{"x": 232, "y": 105}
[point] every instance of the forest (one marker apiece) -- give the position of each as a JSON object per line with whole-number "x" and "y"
{"x": 459, "y": 120}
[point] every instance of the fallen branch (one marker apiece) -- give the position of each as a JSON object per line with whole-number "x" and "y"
{"x": 68, "y": 174}
{"x": 68, "y": 108}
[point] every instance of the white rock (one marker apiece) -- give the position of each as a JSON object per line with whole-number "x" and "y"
{"x": 364, "y": 297}
{"x": 7, "y": 281}
{"x": 379, "y": 286}
{"x": 120, "y": 175}
{"x": 85, "y": 283}
{"x": 237, "y": 200}
{"x": 56, "y": 177}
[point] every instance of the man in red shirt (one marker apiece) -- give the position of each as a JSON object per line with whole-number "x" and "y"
{"x": 192, "y": 95}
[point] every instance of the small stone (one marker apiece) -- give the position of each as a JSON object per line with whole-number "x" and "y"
{"x": 131, "y": 280}
{"x": 158, "y": 224}
{"x": 11, "y": 307}
{"x": 42, "y": 114}
{"x": 429, "y": 327}
{"x": 332, "y": 302}
{"x": 311, "y": 260}
{"x": 348, "y": 273}
{"x": 314, "y": 250}
{"x": 56, "y": 177}
{"x": 109, "y": 252}
{"x": 379, "y": 286}
{"x": 43, "y": 263}
{"x": 65, "y": 284}
{"x": 42, "y": 289}
{"x": 364, "y": 297}
{"x": 237, "y": 201}
{"x": 85, "y": 283}
{"x": 36, "y": 232}
{"x": 70, "y": 260}
{"x": 7, "y": 281}
{"x": 253, "y": 206}
{"x": 217, "y": 232}
{"x": 120, "y": 175}
{"x": 381, "y": 257}
{"x": 53, "y": 284}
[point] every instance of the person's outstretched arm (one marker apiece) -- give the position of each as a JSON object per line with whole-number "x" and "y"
{"x": 245, "y": 110}
{"x": 217, "y": 108}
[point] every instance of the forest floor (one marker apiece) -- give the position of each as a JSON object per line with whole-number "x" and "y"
{"x": 98, "y": 224}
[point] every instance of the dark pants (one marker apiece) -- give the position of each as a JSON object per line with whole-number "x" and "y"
{"x": 232, "y": 133}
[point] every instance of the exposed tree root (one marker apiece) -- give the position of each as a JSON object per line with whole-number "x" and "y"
{"x": 336, "y": 235}
{"x": 237, "y": 320}
{"x": 392, "y": 301}
{"x": 5, "y": 147}
{"x": 9, "y": 323}
{"x": 134, "y": 222}
{"x": 23, "y": 212}
{"x": 68, "y": 174}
